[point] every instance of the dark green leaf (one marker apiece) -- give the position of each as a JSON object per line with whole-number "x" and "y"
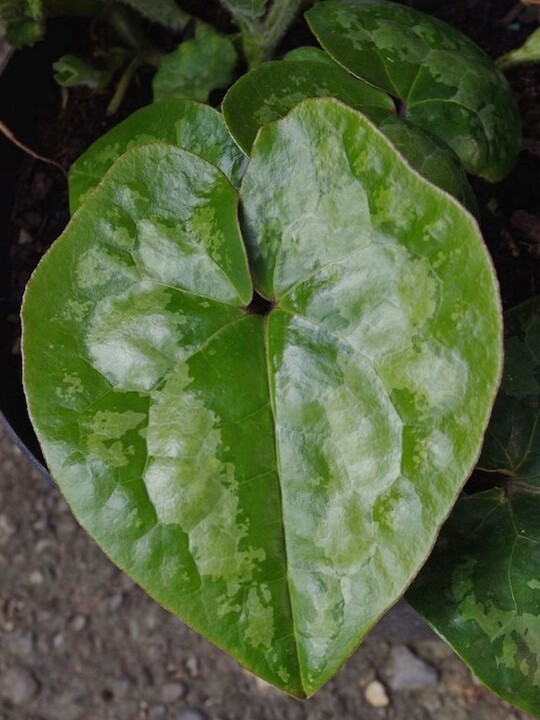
{"x": 447, "y": 84}
{"x": 434, "y": 160}
{"x": 312, "y": 54}
{"x": 276, "y": 480}
{"x": 196, "y": 127}
{"x": 481, "y": 588}
{"x": 195, "y": 68}
{"x": 272, "y": 89}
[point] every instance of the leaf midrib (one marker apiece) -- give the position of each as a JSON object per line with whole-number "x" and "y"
{"x": 279, "y": 475}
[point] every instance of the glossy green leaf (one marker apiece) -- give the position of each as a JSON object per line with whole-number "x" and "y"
{"x": 445, "y": 82}
{"x": 195, "y": 68}
{"x": 312, "y": 54}
{"x": 272, "y": 89}
{"x": 276, "y": 479}
{"x": 433, "y": 160}
{"x": 190, "y": 125}
{"x": 481, "y": 588}
{"x": 529, "y": 52}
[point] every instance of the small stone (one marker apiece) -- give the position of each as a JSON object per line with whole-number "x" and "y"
{"x": 18, "y": 686}
{"x": 78, "y": 623}
{"x": 116, "y": 601}
{"x": 376, "y": 695}
{"x": 172, "y": 691}
{"x": 191, "y": 714}
{"x": 36, "y": 578}
{"x": 58, "y": 640}
{"x": 192, "y": 665}
{"x": 408, "y": 672}
{"x": 156, "y": 712}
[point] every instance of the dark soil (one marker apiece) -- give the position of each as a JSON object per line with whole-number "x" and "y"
{"x": 91, "y": 644}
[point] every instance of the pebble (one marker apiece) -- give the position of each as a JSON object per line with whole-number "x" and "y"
{"x": 36, "y": 578}
{"x": 376, "y": 695}
{"x": 408, "y": 672}
{"x": 17, "y": 686}
{"x": 192, "y": 665}
{"x": 78, "y": 623}
{"x": 191, "y": 714}
{"x": 115, "y": 602}
{"x": 157, "y": 712}
{"x": 172, "y": 691}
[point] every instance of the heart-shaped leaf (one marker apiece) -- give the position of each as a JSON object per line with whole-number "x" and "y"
{"x": 446, "y": 83}
{"x": 481, "y": 588}
{"x": 196, "y": 67}
{"x": 274, "y": 473}
{"x": 195, "y": 127}
{"x": 272, "y": 89}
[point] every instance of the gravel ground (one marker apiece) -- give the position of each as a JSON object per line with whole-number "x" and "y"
{"x": 80, "y": 641}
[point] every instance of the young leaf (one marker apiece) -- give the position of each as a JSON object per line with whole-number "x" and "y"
{"x": 195, "y": 68}
{"x": 272, "y": 89}
{"x": 529, "y": 52}
{"x": 447, "y": 84}
{"x": 275, "y": 478}
{"x": 481, "y": 587}
{"x": 190, "y": 125}
{"x": 70, "y": 70}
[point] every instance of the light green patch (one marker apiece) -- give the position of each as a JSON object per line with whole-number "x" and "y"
{"x": 260, "y": 617}
{"x": 207, "y": 510}
{"x": 105, "y": 432}
{"x": 519, "y": 632}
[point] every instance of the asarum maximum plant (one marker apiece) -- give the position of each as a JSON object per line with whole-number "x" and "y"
{"x": 268, "y": 377}
{"x": 265, "y": 423}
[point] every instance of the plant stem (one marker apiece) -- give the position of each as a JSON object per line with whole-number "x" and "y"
{"x": 277, "y": 23}
{"x": 260, "y": 39}
{"x": 123, "y": 85}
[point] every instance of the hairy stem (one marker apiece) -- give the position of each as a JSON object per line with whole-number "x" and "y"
{"x": 123, "y": 85}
